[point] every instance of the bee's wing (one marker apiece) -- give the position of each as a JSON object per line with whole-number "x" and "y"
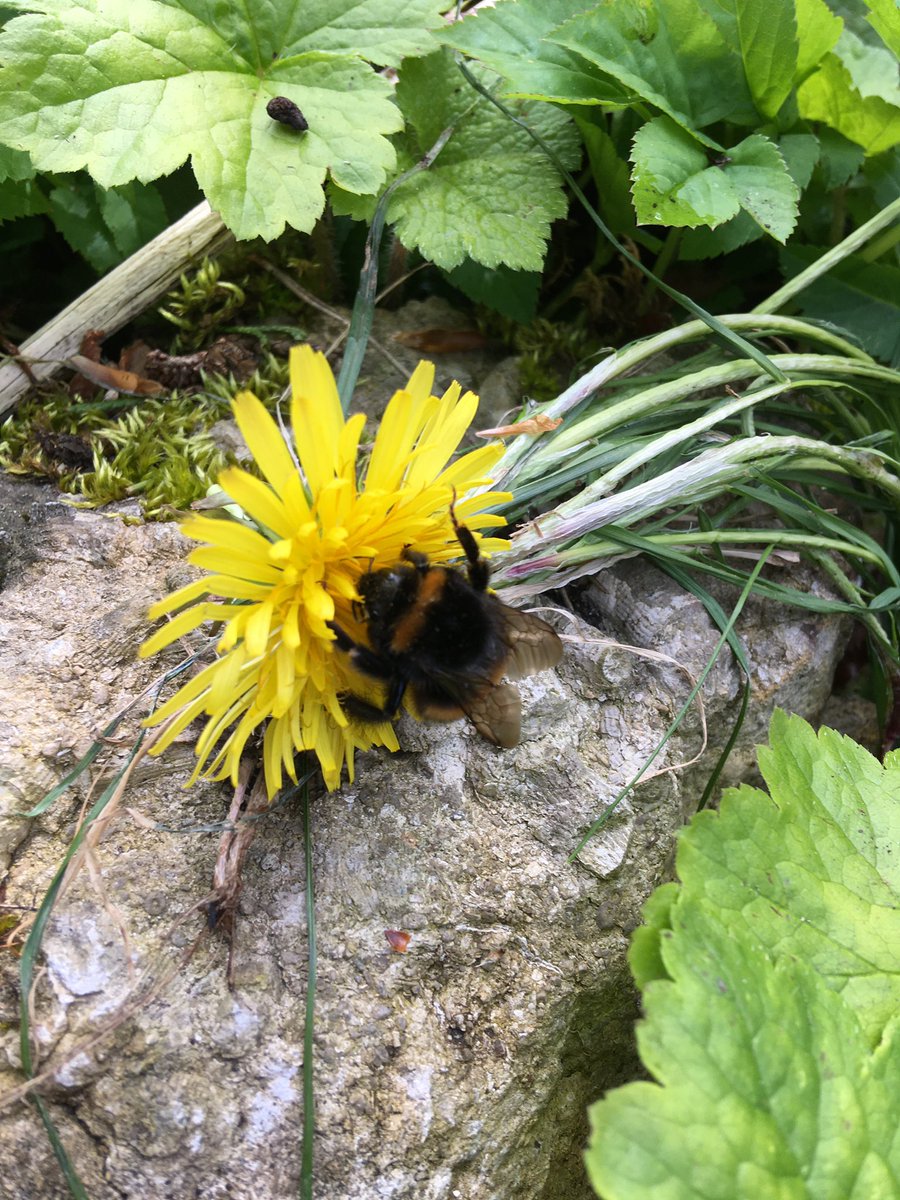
{"x": 497, "y": 714}
{"x": 533, "y": 644}
{"x": 493, "y": 708}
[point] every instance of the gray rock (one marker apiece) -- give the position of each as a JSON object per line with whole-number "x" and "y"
{"x": 460, "y": 1069}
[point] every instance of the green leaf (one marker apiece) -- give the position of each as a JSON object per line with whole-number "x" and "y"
{"x": 75, "y": 211}
{"x": 840, "y": 158}
{"x": 512, "y": 293}
{"x": 811, "y": 872}
{"x": 134, "y": 214}
{"x": 645, "y": 952}
{"x": 771, "y": 979}
{"x": 129, "y": 89}
{"x": 511, "y": 39}
{"x": 383, "y": 34}
{"x": 670, "y": 54}
{"x": 491, "y": 195}
{"x": 887, "y": 599}
{"x": 769, "y": 1090}
{"x": 763, "y": 185}
{"x": 883, "y": 175}
{"x": 801, "y": 153}
{"x": 768, "y": 36}
{"x": 829, "y": 95}
{"x": 816, "y": 28}
{"x": 105, "y": 226}
{"x": 819, "y": 30}
{"x": 873, "y": 69}
{"x": 709, "y": 243}
{"x": 859, "y": 296}
{"x": 611, "y": 177}
{"x": 19, "y": 194}
{"x": 674, "y": 185}
{"x": 20, "y": 198}
{"x": 884, "y": 17}
{"x": 15, "y": 164}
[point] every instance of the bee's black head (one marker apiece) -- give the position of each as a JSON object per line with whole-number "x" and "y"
{"x": 386, "y": 595}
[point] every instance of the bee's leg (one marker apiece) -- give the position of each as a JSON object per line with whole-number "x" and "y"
{"x": 369, "y": 663}
{"x": 361, "y": 657}
{"x": 361, "y": 711}
{"x": 478, "y": 569}
{"x": 366, "y": 713}
{"x": 418, "y": 560}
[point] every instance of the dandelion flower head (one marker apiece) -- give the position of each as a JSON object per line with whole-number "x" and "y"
{"x": 322, "y": 514}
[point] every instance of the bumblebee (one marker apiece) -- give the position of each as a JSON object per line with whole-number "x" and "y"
{"x": 437, "y": 634}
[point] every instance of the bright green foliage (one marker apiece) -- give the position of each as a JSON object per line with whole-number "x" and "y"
{"x": 675, "y": 185}
{"x": 511, "y": 293}
{"x": 19, "y": 195}
{"x": 15, "y": 165}
{"x": 129, "y": 89}
{"x": 158, "y": 451}
{"x": 611, "y": 174}
{"x": 820, "y": 28}
{"x": 512, "y": 39}
{"x": 700, "y": 75}
{"x": 771, "y": 979}
{"x": 491, "y": 194}
{"x": 670, "y": 54}
{"x": 768, "y": 44}
{"x": 829, "y": 95}
{"x": 885, "y": 19}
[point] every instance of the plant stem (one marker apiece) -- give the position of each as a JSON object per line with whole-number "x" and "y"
{"x": 831, "y": 258}
{"x": 679, "y": 717}
{"x": 621, "y": 362}
{"x": 881, "y": 245}
{"x": 776, "y": 538}
{"x": 689, "y": 482}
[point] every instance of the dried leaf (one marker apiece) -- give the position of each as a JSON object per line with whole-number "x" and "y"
{"x": 114, "y": 379}
{"x": 441, "y": 341}
{"x": 533, "y": 425}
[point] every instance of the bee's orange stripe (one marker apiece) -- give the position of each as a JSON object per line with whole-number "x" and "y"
{"x": 411, "y": 624}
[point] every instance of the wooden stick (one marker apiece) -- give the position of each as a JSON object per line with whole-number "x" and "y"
{"x": 125, "y": 292}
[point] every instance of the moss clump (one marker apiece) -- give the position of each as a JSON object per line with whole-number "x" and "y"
{"x": 160, "y": 451}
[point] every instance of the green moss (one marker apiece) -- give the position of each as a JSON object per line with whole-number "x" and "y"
{"x": 203, "y": 302}
{"x": 550, "y": 353}
{"x": 158, "y": 450}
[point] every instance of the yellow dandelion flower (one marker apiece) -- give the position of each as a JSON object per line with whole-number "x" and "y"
{"x": 312, "y": 526}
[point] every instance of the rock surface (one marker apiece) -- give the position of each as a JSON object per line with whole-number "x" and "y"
{"x": 459, "y": 1069}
